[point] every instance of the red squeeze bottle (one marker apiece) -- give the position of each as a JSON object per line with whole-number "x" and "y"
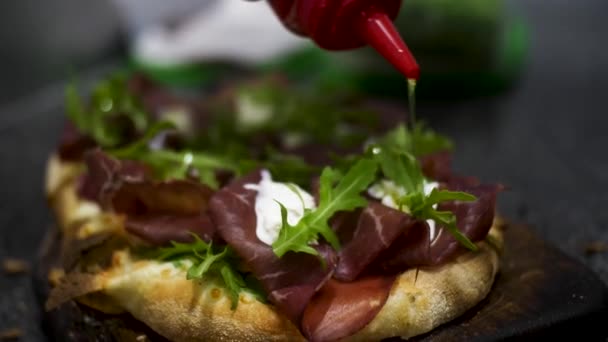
{"x": 349, "y": 24}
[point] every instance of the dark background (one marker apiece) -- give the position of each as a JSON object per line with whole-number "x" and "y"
{"x": 546, "y": 138}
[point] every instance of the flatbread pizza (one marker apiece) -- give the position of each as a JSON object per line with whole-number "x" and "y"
{"x": 230, "y": 217}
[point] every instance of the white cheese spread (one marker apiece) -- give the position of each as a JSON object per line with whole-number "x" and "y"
{"x": 268, "y": 210}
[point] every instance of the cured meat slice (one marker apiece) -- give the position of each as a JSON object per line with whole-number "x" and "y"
{"x": 375, "y": 229}
{"x": 106, "y": 174}
{"x": 437, "y": 165}
{"x": 341, "y": 309}
{"x": 289, "y": 281}
{"x": 73, "y": 144}
{"x": 157, "y": 212}
{"x": 474, "y": 219}
{"x": 160, "y": 230}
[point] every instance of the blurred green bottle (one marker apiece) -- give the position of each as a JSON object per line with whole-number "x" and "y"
{"x": 466, "y": 48}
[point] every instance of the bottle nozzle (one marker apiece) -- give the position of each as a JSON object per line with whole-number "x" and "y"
{"x": 378, "y": 31}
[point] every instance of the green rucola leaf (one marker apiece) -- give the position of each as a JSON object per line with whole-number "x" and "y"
{"x": 399, "y": 138}
{"x": 443, "y": 217}
{"x": 344, "y": 196}
{"x": 208, "y": 260}
{"x": 437, "y": 196}
{"x": 103, "y": 117}
{"x": 180, "y": 249}
{"x": 139, "y": 147}
{"x": 328, "y": 235}
{"x": 296, "y": 238}
{"x": 197, "y": 271}
{"x": 169, "y": 164}
{"x": 453, "y": 229}
{"x": 284, "y": 222}
{"x": 75, "y": 109}
{"x": 418, "y": 141}
{"x": 448, "y": 221}
{"x": 347, "y": 194}
{"x": 426, "y": 141}
{"x": 234, "y": 282}
{"x": 328, "y": 178}
{"x": 286, "y": 167}
{"x": 395, "y": 153}
{"x": 401, "y": 167}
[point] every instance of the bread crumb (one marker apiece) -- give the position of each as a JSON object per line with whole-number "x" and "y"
{"x": 10, "y": 334}
{"x": 15, "y": 266}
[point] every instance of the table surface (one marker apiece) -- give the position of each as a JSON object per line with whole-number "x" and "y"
{"x": 546, "y": 140}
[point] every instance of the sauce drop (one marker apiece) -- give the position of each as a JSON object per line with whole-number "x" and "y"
{"x": 411, "y": 98}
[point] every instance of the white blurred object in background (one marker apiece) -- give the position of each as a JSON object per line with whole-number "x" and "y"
{"x": 181, "y": 32}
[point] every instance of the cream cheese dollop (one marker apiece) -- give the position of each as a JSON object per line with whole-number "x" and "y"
{"x": 387, "y": 192}
{"x": 267, "y": 208}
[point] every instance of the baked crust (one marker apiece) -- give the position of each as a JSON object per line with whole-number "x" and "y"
{"x": 159, "y": 295}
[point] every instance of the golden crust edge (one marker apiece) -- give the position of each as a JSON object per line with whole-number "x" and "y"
{"x": 437, "y": 296}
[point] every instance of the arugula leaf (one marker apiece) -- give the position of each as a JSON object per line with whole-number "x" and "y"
{"x": 234, "y": 282}
{"x": 141, "y": 145}
{"x": 344, "y": 196}
{"x": 179, "y": 250}
{"x": 174, "y": 165}
{"x": 426, "y": 141}
{"x": 197, "y": 271}
{"x": 418, "y": 141}
{"x": 75, "y": 108}
{"x": 448, "y": 220}
{"x": 312, "y": 116}
{"x": 207, "y": 259}
{"x": 112, "y": 113}
{"x": 169, "y": 164}
{"x": 289, "y": 168}
{"x": 403, "y": 169}
{"x": 302, "y": 245}
{"x": 437, "y": 196}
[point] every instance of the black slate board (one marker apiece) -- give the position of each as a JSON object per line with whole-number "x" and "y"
{"x": 539, "y": 293}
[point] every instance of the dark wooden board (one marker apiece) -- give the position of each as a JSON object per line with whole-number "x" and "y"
{"x": 539, "y": 293}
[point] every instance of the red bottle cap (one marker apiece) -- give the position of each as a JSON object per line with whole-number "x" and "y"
{"x": 349, "y": 24}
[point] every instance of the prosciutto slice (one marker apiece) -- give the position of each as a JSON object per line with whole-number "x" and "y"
{"x": 170, "y": 197}
{"x": 474, "y": 219}
{"x": 73, "y": 144}
{"x": 157, "y": 212}
{"x": 106, "y": 174}
{"x": 290, "y": 281}
{"x": 159, "y": 229}
{"x": 376, "y": 227}
{"x": 341, "y": 309}
{"x": 437, "y": 166}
